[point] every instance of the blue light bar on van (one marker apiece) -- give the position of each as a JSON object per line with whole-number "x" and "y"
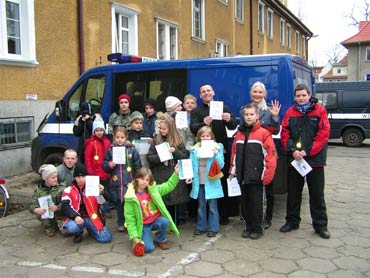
{"x": 123, "y": 58}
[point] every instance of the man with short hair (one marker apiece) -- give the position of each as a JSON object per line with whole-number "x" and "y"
{"x": 65, "y": 170}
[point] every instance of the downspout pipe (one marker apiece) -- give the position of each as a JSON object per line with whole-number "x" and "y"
{"x": 251, "y": 27}
{"x": 81, "y": 35}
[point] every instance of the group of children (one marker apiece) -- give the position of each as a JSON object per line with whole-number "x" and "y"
{"x": 136, "y": 191}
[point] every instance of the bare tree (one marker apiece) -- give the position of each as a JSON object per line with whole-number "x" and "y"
{"x": 364, "y": 12}
{"x": 336, "y": 53}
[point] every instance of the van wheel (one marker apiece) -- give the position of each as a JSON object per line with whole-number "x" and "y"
{"x": 352, "y": 137}
{"x": 54, "y": 158}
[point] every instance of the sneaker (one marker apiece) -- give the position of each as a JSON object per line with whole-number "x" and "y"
{"x": 121, "y": 229}
{"x": 211, "y": 234}
{"x": 77, "y": 238}
{"x": 286, "y": 228}
{"x": 198, "y": 233}
{"x": 164, "y": 245}
{"x": 246, "y": 234}
{"x": 323, "y": 233}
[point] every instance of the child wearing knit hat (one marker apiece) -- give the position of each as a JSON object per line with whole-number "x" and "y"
{"x": 150, "y": 116}
{"x": 122, "y": 116}
{"x": 48, "y": 186}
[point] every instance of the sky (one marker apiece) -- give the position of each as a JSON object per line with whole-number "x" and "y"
{"x": 329, "y": 21}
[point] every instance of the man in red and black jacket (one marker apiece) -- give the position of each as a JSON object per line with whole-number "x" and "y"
{"x": 305, "y": 133}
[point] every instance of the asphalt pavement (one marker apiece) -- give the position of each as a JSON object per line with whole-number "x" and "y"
{"x": 25, "y": 251}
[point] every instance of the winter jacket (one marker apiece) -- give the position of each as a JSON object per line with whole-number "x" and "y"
{"x": 82, "y": 129}
{"x": 136, "y": 135}
{"x": 213, "y": 188}
{"x": 122, "y": 174}
{"x": 71, "y": 202}
{"x": 65, "y": 175}
{"x": 267, "y": 121}
{"x": 132, "y": 209}
{"x": 312, "y": 130}
{"x": 118, "y": 119}
{"x": 149, "y": 124}
{"x": 218, "y": 126}
{"x": 43, "y": 190}
{"x": 163, "y": 170}
{"x": 253, "y": 159}
{"x": 95, "y": 150}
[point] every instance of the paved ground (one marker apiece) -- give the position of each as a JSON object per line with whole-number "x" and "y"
{"x": 26, "y": 252}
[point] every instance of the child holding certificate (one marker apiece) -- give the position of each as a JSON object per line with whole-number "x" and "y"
{"x": 47, "y": 187}
{"x": 122, "y": 161}
{"x": 207, "y": 160}
{"x": 167, "y": 148}
{"x": 253, "y": 163}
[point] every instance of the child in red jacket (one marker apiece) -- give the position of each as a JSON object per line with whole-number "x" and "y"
{"x": 95, "y": 148}
{"x": 253, "y": 162}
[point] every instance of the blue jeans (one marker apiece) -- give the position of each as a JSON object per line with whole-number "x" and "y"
{"x": 213, "y": 217}
{"x": 161, "y": 226}
{"x": 73, "y": 228}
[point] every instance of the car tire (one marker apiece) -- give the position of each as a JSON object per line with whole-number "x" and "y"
{"x": 54, "y": 158}
{"x": 353, "y": 137}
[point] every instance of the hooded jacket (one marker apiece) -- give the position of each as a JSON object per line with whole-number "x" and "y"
{"x": 95, "y": 150}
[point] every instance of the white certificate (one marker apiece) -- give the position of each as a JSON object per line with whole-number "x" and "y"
{"x": 142, "y": 146}
{"x": 92, "y": 186}
{"x": 301, "y": 166}
{"x": 206, "y": 149}
{"x": 181, "y": 119}
{"x": 163, "y": 151}
{"x": 185, "y": 169}
{"x": 233, "y": 187}
{"x": 45, "y": 202}
{"x": 119, "y": 155}
{"x": 216, "y": 109}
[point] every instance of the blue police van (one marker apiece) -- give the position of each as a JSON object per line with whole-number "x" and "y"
{"x": 230, "y": 77}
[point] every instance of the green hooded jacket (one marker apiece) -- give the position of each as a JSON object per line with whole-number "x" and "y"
{"x": 132, "y": 210}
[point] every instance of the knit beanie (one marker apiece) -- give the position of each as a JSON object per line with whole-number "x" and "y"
{"x": 85, "y": 108}
{"x": 80, "y": 170}
{"x": 151, "y": 102}
{"x": 46, "y": 170}
{"x": 136, "y": 115}
{"x": 124, "y": 96}
{"x": 172, "y": 102}
{"x": 98, "y": 123}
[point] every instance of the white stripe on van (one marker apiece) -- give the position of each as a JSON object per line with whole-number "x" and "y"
{"x": 349, "y": 116}
{"x": 57, "y": 128}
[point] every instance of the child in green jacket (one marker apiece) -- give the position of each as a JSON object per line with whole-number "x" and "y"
{"x": 145, "y": 211}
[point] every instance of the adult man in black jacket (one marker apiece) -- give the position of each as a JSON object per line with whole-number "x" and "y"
{"x": 200, "y": 117}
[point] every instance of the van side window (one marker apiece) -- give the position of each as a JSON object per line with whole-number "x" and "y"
{"x": 327, "y": 99}
{"x": 154, "y": 84}
{"x": 74, "y": 103}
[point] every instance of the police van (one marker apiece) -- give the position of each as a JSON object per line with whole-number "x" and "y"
{"x": 348, "y": 106}
{"x": 230, "y": 77}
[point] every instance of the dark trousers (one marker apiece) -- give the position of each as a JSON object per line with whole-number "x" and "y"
{"x": 253, "y": 207}
{"x": 315, "y": 182}
{"x": 269, "y": 201}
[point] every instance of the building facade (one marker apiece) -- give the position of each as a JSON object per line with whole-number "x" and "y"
{"x": 46, "y": 45}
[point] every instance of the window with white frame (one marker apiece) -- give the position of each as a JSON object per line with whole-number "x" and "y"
{"x": 282, "y": 31}
{"x": 261, "y": 17}
{"x": 16, "y": 130}
{"x": 297, "y": 38}
{"x": 288, "y": 36}
{"x": 304, "y": 46}
{"x": 239, "y": 10}
{"x": 124, "y": 29}
{"x": 167, "y": 46}
{"x": 222, "y": 48}
{"x": 367, "y": 54}
{"x": 17, "y": 26}
{"x": 198, "y": 19}
{"x": 270, "y": 23}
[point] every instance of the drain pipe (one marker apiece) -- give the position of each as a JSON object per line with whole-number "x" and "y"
{"x": 81, "y": 36}
{"x": 251, "y": 28}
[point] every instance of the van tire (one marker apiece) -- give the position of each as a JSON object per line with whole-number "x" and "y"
{"x": 353, "y": 137}
{"x": 54, "y": 158}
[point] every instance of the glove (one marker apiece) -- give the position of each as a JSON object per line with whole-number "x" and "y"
{"x": 138, "y": 247}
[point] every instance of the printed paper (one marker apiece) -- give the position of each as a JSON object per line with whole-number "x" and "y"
{"x": 92, "y": 186}
{"x": 119, "y": 155}
{"x": 216, "y": 109}
{"x": 45, "y": 202}
{"x": 302, "y": 167}
{"x": 185, "y": 169}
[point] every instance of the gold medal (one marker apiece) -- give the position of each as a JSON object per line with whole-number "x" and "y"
{"x": 96, "y": 157}
{"x": 128, "y": 169}
{"x": 298, "y": 145}
{"x": 94, "y": 216}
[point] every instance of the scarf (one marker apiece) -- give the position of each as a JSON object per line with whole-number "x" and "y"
{"x": 302, "y": 107}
